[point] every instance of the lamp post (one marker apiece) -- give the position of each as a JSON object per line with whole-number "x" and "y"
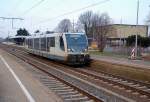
{"x": 136, "y": 39}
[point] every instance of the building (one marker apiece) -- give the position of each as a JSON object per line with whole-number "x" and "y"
{"x": 20, "y": 40}
{"x": 119, "y": 32}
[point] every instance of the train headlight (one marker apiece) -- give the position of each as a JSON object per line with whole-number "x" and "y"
{"x": 85, "y": 50}
{"x": 69, "y": 50}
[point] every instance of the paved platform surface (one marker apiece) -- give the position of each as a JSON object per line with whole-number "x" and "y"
{"x": 123, "y": 61}
{"x": 18, "y": 85}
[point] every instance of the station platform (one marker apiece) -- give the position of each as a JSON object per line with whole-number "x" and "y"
{"x": 123, "y": 61}
{"x": 18, "y": 85}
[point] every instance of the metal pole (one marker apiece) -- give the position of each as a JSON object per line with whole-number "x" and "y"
{"x": 12, "y": 25}
{"x": 120, "y": 32}
{"x": 136, "y": 39}
{"x": 73, "y": 26}
{"x": 8, "y": 37}
{"x": 12, "y": 20}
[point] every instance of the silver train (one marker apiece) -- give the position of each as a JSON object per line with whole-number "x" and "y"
{"x": 71, "y": 48}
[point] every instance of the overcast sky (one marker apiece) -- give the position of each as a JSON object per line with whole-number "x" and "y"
{"x": 49, "y": 9}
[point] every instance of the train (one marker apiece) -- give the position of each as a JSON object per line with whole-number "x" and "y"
{"x": 69, "y": 48}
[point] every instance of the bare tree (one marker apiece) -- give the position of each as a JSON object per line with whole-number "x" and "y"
{"x": 64, "y": 26}
{"x": 86, "y": 20}
{"x": 102, "y": 29}
{"x": 96, "y": 26}
{"x": 79, "y": 27}
{"x": 147, "y": 20}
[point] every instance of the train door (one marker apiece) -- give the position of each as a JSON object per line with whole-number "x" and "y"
{"x": 48, "y": 44}
{"x": 52, "y": 47}
{"x": 61, "y": 43}
{"x": 56, "y": 50}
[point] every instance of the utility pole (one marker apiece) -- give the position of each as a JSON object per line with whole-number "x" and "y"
{"x": 120, "y": 32}
{"x": 136, "y": 39}
{"x": 12, "y": 20}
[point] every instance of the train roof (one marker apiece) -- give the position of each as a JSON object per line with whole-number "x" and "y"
{"x": 50, "y": 35}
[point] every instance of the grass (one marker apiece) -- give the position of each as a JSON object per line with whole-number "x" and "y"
{"x": 122, "y": 70}
{"x": 108, "y": 54}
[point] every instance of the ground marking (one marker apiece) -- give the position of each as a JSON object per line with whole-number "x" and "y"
{"x": 27, "y": 94}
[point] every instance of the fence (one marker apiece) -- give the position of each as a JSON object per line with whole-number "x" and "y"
{"x": 126, "y": 50}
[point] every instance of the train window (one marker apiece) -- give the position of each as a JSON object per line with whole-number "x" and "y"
{"x": 48, "y": 44}
{"x": 43, "y": 44}
{"x": 30, "y": 43}
{"x": 36, "y": 43}
{"x": 61, "y": 43}
{"x": 52, "y": 42}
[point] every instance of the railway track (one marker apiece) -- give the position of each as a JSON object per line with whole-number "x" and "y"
{"x": 67, "y": 91}
{"x": 76, "y": 82}
{"x": 61, "y": 88}
{"x": 136, "y": 88}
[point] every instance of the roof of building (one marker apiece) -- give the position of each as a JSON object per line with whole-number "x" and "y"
{"x": 12, "y": 37}
{"x": 129, "y": 25}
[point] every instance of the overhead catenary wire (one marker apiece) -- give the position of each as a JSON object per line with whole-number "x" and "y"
{"x": 31, "y": 8}
{"x": 74, "y": 11}
{"x": 18, "y": 3}
{"x": 34, "y": 6}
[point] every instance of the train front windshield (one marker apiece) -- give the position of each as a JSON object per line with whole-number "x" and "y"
{"x": 76, "y": 42}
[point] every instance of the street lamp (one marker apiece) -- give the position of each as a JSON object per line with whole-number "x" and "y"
{"x": 136, "y": 39}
